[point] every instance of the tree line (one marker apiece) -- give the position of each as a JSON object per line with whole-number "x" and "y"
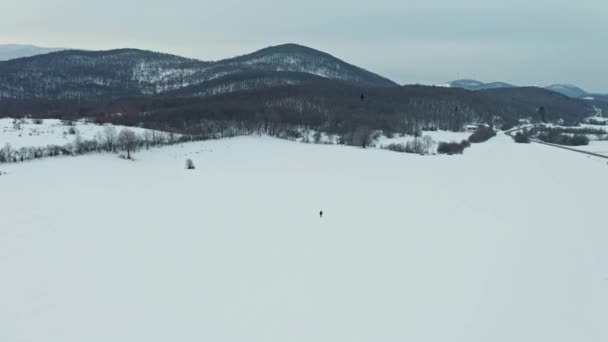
{"x": 109, "y": 140}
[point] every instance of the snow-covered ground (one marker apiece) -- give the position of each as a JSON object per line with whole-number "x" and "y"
{"x": 507, "y": 242}
{"x": 595, "y": 146}
{"x": 50, "y": 132}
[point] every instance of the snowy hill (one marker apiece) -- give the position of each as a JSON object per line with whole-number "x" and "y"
{"x": 86, "y": 74}
{"x": 476, "y": 85}
{"x": 464, "y": 248}
{"x": 12, "y": 51}
{"x": 127, "y": 72}
{"x": 568, "y": 90}
{"x": 564, "y": 89}
{"x": 298, "y": 58}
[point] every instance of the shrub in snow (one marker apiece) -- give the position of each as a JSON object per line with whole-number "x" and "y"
{"x": 72, "y": 130}
{"x": 189, "y": 164}
{"x": 482, "y": 133}
{"x": 521, "y": 138}
{"x": 424, "y": 145}
{"x": 453, "y": 147}
{"x": 579, "y": 140}
{"x": 38, "y": 121}
{"x": 554, "y": 137}
{"x": 397, "y": 148}
{"x": 415, "y": 146}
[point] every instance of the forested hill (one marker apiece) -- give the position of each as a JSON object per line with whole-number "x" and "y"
{"x": 287, "y": 85}
{"x": 129, "y": 72}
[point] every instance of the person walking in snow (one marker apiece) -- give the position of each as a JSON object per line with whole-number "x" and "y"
{"x": 321, "y": 214}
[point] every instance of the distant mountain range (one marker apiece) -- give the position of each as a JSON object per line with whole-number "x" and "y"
{"x": 476, "y": 85}
{"x": 53, "y": 73}
{"x": 128, "y": 72}
{"x": 287, "y": 83}
{"x": 564, "y": 89}
{"x": 12, "y": 51}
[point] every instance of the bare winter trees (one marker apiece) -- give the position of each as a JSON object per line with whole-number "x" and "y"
{"x": 128, "y": 141}
{"x": 361, "y": 136}
{"x": 5, "y": 153}
{"x": 424, "y": 145}
{"x": 106, "y": 140}
{"x": 109, "y": 138}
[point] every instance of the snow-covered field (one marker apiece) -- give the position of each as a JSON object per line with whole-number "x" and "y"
{"x": 49, "y": 132}
{"x": 599, "y": 147}
{"x": 507, "y": 242}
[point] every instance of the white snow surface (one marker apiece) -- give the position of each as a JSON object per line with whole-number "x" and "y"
{"x": 504, "y": 243}
{"x": 50, "y": 132}
{"x": 595, "y": 146}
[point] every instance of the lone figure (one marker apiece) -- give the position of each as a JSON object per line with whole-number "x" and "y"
{"x": 321, "y": 214}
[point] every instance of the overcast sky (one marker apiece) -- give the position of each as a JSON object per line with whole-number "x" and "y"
{"x": 526, "y": 42}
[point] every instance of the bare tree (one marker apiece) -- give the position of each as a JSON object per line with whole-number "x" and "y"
{"x": 128, "y": 141}
{"x": 317, "y": 136}
{"x": 148, "y": 138}
{"x": 5, "y": 153}
{"x": 362, "y": 136}
{"x": 78, "y": 142}
{"x": 428, "y": 144}
{"x": 110, "y": 135}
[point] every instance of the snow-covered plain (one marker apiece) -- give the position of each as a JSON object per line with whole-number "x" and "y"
{"x": 595, "y": 146}
{"x": 507, "y": 242}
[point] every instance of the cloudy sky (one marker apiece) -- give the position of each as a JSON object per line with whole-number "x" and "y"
{"x": 527, "y": 42}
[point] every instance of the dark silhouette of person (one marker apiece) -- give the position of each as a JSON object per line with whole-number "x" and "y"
{"x": 321, "y": 214}
{"x": 362, "y": 97}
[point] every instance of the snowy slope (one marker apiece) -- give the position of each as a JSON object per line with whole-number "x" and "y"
{"x": 50, "y": 132}
{"x": 478, "y": 247}
{"x": 568, "y": 90}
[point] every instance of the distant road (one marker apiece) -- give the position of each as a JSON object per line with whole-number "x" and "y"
{"x": 513, "y": 130}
